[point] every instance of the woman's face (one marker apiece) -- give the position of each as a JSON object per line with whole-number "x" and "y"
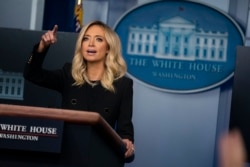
{"x": 94, "y": 45}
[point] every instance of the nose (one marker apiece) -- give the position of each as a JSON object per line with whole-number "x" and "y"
{"x": 91, "y": 42}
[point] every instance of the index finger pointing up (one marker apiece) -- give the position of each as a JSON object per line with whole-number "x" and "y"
{"x": 55, "y": 29}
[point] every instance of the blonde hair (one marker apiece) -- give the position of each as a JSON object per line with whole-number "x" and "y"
{"x": 115, "y": 66}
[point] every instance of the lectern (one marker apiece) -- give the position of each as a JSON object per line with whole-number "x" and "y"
{"x": 88, "y": 140}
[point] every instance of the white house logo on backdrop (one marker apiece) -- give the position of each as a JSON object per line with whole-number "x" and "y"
{"x": 11, "y": 85}
{"x": 179, "y": 46}
{"x": 177, "y": 38}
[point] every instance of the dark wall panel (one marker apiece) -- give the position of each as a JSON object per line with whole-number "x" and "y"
{"x": 16, "y": 46}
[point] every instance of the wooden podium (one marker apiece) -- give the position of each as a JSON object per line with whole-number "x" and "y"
{"x": 88, "y": 140}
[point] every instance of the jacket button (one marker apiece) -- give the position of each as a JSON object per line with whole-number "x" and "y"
{"x": 73, "y": 101}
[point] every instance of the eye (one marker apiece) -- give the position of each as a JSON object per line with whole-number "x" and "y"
{"x": 85, "y": 38}
{"x": 99, "y": 39}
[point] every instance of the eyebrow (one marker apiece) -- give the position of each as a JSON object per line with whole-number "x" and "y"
{"x": 94, "y": 36}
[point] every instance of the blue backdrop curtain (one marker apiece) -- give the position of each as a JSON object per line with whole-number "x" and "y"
{"x": 60, "y": 12}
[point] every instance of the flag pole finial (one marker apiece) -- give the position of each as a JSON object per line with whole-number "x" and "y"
{"x": 79, "y": 2}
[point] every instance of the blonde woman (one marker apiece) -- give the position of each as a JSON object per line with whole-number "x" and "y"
{"x": 94, "y": 81}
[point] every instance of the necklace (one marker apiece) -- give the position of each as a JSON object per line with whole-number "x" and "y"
{"x": 94, "y": 83}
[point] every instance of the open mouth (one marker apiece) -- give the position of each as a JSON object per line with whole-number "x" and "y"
{"x": 91, "y": 51}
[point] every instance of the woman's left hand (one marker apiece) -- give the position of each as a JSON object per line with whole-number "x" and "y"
{"x": 130, "y": 148}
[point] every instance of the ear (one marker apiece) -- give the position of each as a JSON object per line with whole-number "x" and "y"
{"x": 108, "y": 48}
{"x": 107, "y": 51}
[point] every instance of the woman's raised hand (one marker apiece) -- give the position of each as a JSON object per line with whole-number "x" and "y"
{"x": 48, "y": 38}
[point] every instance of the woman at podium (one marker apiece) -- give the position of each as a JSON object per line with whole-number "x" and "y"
{"x": 95, "y": 79}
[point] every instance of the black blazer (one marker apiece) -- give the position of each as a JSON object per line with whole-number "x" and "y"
{"x": 115, "y": 108}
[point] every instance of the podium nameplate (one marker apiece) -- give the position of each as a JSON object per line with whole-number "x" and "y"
{"x": 31, "y": 134}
